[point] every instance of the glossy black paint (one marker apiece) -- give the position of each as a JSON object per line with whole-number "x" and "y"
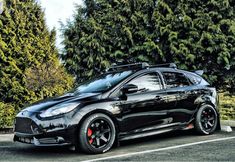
{"x": 135, "y": 114}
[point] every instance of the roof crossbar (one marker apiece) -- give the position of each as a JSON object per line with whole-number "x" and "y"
{"x": 128, "y": 67}
{"x": 136, "y": 66}
{"x": 170, "y": 65}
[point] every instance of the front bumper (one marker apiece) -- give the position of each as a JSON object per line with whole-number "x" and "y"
{"x": 54, "y": 138}
{"x": 53, "y": 141}
{"x": 52, "y": 132}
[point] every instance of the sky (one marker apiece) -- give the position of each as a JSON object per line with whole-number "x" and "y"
{"x": 1, "y": 6}
{"x": 58, "y": 10}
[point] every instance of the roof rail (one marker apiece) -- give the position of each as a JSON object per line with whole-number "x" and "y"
{"x": 136, "y": 66}
{"x": 170, "y": 65}
{"x": 133, "y": 66}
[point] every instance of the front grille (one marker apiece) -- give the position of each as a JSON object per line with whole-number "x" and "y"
{"x": 25, "y": 125}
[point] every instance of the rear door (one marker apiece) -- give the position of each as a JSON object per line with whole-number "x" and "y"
{"x": 179, "y": 88}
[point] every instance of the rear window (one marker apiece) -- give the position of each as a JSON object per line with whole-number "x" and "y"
{"x": 173, "y": 79}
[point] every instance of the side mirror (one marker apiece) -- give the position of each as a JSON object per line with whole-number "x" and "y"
{"x": 129, "y": 88}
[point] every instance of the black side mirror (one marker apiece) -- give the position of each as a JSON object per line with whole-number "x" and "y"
{"x": 129, "y": 88}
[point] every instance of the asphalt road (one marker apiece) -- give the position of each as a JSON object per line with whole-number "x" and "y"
{"x": 177, "y": 146}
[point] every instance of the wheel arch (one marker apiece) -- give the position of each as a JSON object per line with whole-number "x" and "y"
{"x": 207, "y": 99}
{"x": 109, "y": 114}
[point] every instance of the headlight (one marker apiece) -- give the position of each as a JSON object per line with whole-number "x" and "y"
{"x": 59, "y": 109}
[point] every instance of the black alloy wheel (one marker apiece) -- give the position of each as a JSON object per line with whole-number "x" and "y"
{"x": 206, "y": 120}
{"x": 97, "y": 134}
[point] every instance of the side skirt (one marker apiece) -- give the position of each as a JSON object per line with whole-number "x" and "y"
{"x": 145, "y": 134}
{"x": 151, "y": 131}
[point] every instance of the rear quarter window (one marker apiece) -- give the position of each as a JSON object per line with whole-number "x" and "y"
{"x": 175, "y": 79}
{"x": 194, "y": 79}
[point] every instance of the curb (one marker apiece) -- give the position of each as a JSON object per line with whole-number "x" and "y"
{"x": 230, "y": 123}
{"x": 226, "y": 128}
{"x": 6, "y": 130}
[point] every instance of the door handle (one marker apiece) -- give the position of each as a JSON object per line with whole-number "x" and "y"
{"x": 182, "y": 92}
{"x": 194, "y": 92}
{"x": 158, "y": 98}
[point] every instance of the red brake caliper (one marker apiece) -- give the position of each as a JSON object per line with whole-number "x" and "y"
{"x": 89, "y": 134}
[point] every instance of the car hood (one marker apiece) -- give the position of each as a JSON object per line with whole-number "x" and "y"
{"x": 67, "y": 98}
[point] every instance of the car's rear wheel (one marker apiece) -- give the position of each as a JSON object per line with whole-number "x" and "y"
{"x": 206, "y": 120}
{"x": 96, "y": 134}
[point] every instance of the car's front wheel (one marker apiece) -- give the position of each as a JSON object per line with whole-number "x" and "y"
{"x": 97, "y": 134}
{"x": 206, "y": 120}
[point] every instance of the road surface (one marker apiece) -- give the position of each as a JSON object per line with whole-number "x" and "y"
{"x": 176, "y": 146}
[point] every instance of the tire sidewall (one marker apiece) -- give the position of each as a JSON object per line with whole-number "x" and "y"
{"x": 83, "y": 134}
{"x": 198, "y": 123}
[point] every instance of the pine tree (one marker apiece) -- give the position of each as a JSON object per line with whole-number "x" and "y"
{"x": 199, "y": 35}
{"x": 194, "y": 34}
{"x": 25, "y": 42}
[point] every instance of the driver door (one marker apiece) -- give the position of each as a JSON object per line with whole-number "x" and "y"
{"x": 146, "y": 107}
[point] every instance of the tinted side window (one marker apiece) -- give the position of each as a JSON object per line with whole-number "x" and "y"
{"x": 147, "y": 82}
{"x": 175, "y": 79}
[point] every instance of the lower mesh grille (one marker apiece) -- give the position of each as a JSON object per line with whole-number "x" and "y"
{"x": 24, "y": 125}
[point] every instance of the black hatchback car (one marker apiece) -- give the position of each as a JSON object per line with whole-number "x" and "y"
{"x": 126, "y": 102}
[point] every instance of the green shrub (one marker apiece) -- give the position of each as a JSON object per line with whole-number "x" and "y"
{"x": 227, "y": 106}
{"x": 7, "y": 115}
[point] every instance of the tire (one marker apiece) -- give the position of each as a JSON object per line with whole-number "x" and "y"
{"x": 97, "y": 134}
{"x": 206, "y": 120}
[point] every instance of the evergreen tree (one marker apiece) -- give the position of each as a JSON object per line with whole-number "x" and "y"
{"x": 25, "y": 42}
{"x": 199, "y": 35}
{"x": 47, "y": 79}
{"x": 194, "y": 34}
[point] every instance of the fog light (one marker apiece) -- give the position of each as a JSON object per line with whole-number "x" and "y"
{"x": 60, "y": 139}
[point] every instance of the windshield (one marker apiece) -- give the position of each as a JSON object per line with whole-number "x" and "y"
{"x": 102, "y": 83}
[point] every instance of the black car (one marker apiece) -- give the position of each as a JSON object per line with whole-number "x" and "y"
{"x": 126, "y": 102}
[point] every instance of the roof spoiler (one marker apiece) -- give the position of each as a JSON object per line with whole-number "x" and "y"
{"x": 199, "y": 72}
